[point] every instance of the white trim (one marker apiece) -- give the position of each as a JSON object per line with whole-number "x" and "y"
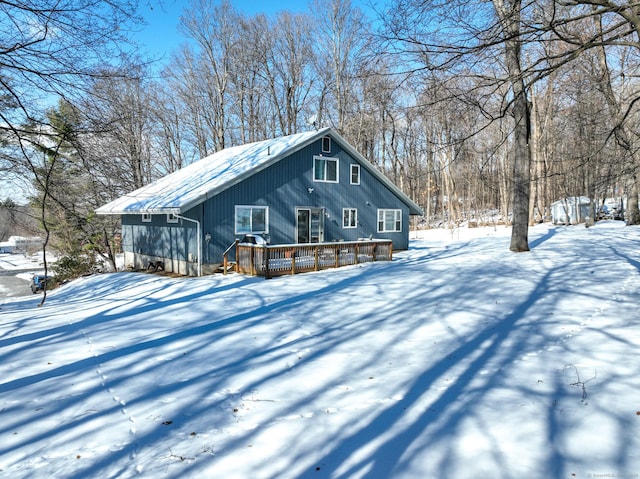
{"x": 326, "y": 159}
{"x": 251, "y": 230}
{"x": 351, "y": 167}
{"x": 353, "y": 218}
{"x": 328, "y": 140}
{"x": 198, "y": 240}
{"x": 397, "y": 219}
{"x": 321, "y": 223}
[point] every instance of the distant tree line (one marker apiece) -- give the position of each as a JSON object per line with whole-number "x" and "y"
{"x": 483, "y": 112}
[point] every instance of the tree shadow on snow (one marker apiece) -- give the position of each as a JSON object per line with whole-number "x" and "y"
{"x": 426, "y": 421}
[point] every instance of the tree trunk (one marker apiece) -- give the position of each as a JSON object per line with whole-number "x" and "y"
{"x": 620, "y": 130}
{"x": 632, "y": 215}
{"x": 509, "y": 15}
{"x": 521, "y": 172}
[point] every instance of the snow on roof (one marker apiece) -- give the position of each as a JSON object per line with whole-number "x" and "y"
{"x": 193, "y": 184}
{"x": 14, "y": 240}
{"x": 580, "y": 200}
{"x": 181, "y": 190}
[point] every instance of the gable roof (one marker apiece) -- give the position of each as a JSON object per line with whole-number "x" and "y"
{"x": 181, "y": 190}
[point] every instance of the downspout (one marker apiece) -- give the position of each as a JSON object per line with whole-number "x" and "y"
{"x": 199, "y": 241}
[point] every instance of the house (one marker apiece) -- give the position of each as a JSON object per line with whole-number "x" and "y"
{"x": 21, "y": 244}
{"x": 311, "y": 187}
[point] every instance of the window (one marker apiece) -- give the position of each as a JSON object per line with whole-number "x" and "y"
{"x": 326, "y": 144}
{"x": 171, "y": 218}
{"x": 146, "y": 217}
{"x": 349, "y": 218}
{"x": 389, "y": 221}
{"x": 355, "y": 174}
{"x": 252, "y": 219}
{"x": 325, "y": 169}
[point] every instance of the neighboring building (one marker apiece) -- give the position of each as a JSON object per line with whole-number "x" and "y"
{"x": 570, "y": 211}
{"x": 305, "y": 188}
{"x": 21, "y": 244}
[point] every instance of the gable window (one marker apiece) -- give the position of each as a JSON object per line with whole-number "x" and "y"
{"x": 325, "y": 169}
{"x": 355, "y": 174}
{"x": 171, "y": 218}
{"x": 389, "y": 221}
{"x": 326, "y": 144}
{"x": 252, "y": 219}
{"x": 349, "y": 218}
{"x": 146, "y": 217}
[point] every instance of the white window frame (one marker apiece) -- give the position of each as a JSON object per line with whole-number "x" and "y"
{"x": 354, "y": 167}
{"x": 146, "y": 217}
{"x": 326, "y": 144}
{"x": 382, "y": 220}
{"x": 326, "y": 159}
{"x": 251, "y": 230}
{"x": 172, "y": 218}
{"x": 349, "y": 218}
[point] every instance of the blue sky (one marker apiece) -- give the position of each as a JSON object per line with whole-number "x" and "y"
{"x": 160, "y": 36}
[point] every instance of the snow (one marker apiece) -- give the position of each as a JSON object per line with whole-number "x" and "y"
{"x": 24, "y": 265}
{"x": 458, "y": 359}
{"x": 182, "y": 189}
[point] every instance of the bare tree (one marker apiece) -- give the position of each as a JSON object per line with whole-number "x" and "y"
{"x": 621, "y": 130}
{"x": 120, "y": 115}
{"x": 509, "y": 14}
{"x": 341, "y": 50}
{"x": 214, "y": 28}
{"x": 172, "y": 147}
{"x": 51, "y": 50}
{"x": 287, "y": 69}
{"x": 250, "y": 93}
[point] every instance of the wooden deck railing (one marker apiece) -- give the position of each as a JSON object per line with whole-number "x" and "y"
{"x": 278, "y": 260}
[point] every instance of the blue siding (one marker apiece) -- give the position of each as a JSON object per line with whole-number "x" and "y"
{"x": 159, "y": 238}
{"x": 285, "y": 185}
{"x": 282, "y": 187}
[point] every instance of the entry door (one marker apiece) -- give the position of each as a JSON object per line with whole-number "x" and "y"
{"x": 310, "y": 225}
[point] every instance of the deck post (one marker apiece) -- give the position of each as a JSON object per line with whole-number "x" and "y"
{"x": 252, "y": 257}
{"x": 265, "y": 258}
{"x": 237, "y": 259}
{"x": 293, "y": 261}
{"x": 317, "y": 258}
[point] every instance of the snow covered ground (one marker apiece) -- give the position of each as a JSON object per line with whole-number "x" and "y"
{"x": 458, "y": 359}
{"x": 24, "y": 265}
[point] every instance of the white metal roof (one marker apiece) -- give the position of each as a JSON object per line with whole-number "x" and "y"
{"x": 182, "y": 190}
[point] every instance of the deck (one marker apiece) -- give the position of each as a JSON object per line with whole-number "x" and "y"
{"x": 277, "y": 260}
